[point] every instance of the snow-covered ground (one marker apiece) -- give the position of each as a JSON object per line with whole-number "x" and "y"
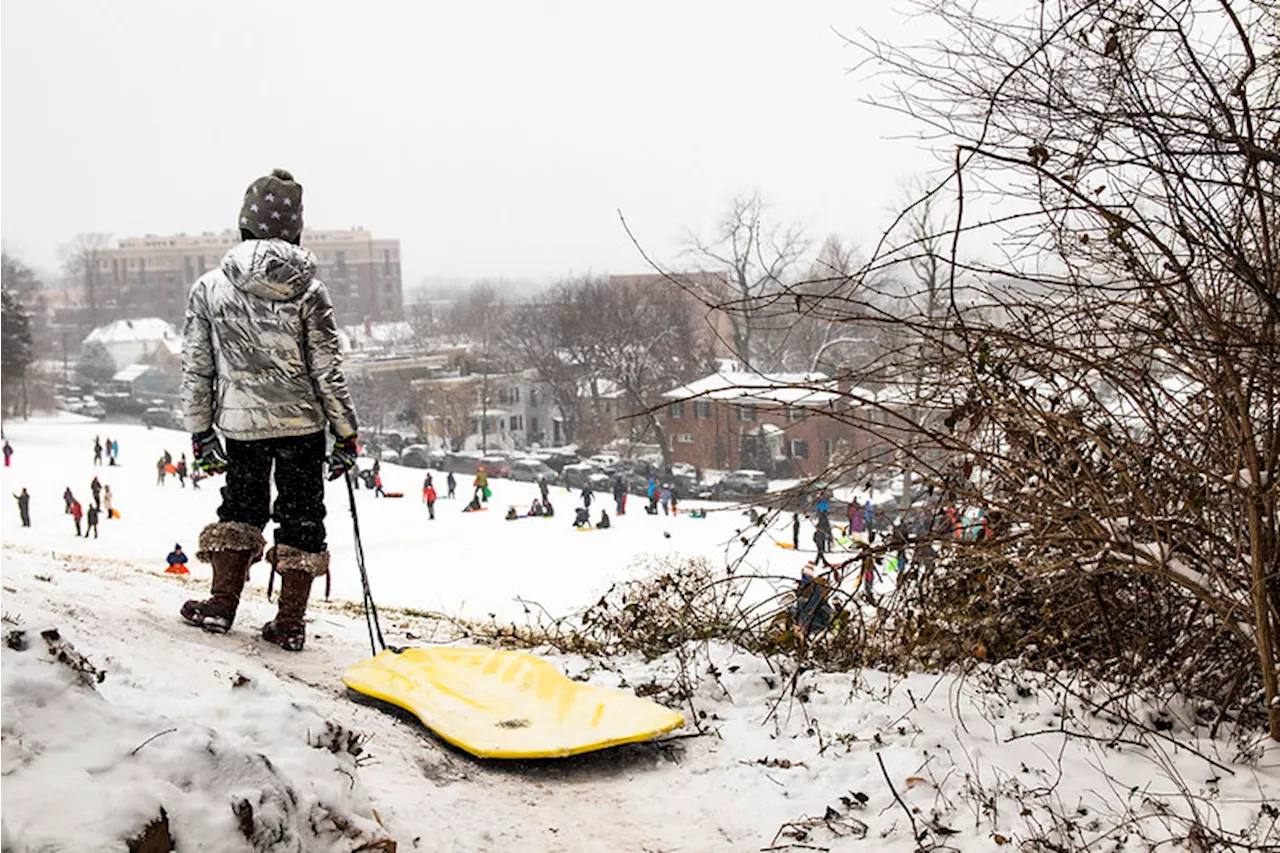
{"x": 229, "y": 734}
{"x": 464, "y": 564}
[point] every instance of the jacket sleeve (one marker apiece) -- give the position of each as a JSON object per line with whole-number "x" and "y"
{"x": 198, "y": 368}
{"x": 324, "y": 362}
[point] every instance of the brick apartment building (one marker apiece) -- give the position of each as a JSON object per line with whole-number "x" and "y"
{"x": 150, "y": 276}
{"x": 775, "y": 424}
{"x": 711, "y": 325}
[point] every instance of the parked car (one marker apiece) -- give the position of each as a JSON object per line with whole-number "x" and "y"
{"x": 557, "y": 459}
{"x": 685, "y": 470}
{"x": 89, "y": 407}
{"x": 605, "y": 461}
{"x": 578, "y": 473}
{"x": 530, "y": 471}
{"x": 745, "y": 482}
{"x": 495, "y": 465}
{"x": 421, "y": 456}
{"x": 164, "y": 418}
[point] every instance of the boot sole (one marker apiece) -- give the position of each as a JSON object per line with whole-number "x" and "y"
{"x": 207, "y": 626}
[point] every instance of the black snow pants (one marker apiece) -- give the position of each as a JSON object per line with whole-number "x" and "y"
{"x": 299, "y": 472}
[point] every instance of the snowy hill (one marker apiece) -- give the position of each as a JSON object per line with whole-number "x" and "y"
{"x": 244, "y": 747}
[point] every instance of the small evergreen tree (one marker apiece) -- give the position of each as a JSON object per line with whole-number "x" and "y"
{"x": 15, "y": 346}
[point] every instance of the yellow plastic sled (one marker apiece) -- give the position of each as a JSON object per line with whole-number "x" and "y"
{"x": 501, "y": 704}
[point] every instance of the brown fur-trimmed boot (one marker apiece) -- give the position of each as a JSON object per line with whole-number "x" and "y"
{"x": 231, "y": 547}
{"x": 297, "y": 570}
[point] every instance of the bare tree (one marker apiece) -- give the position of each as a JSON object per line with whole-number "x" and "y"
{"x": 545, "y": 333}
{"x": 82, "y": 262}
{"x": 643, "y": 339}
{"x": 755, "y": 258}
{"x": 1111, "y": 360}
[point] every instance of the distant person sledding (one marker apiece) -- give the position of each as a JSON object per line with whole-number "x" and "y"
{"x": 177, "y": 561}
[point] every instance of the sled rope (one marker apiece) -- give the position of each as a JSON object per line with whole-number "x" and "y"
{"x": 370, "y": 609}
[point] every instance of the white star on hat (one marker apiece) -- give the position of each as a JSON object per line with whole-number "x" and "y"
{"x": 269, "y": 197}
{"x": 288, "y": 202}
{"x": 262, "y": 226}
{"x": 293, "y": 218}
{"x": 253, "y": 208}
{"x": 275, "y": 214}
{"x": 244, "y": 220}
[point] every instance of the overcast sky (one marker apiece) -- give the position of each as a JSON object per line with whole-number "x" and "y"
{"x": 493, "y": 139}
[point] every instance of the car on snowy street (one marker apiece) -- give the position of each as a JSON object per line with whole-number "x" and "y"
{"x": 421, "y": 456}
{"x": 157, "y": 416}
{"x": 530, "y": 471}
{"x": 495, "y": 465}
{"x": 745, "y": 482}
{"x": 576, "y": 475}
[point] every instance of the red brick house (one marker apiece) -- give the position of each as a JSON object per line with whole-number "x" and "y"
{"x": 779, "y": 424}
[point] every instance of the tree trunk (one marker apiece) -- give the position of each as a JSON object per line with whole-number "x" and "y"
{"x": 663, "y": 445}
{"x": 1260, "y": 554}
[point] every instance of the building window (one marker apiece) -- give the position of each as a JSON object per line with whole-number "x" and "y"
{"x": 702, "y": 409}
{"x": 386, "y": 262}
{"x": 533, "y": 425}
{"x": 685, "y": 438}
{"x": 675, "y": 410}
{"x": 799, "y": 448}
{"x": 187, "y": 268}
{"x": 795, "y": 414}
{"x": 828, "y": 446}
{"x": 517, "y": 423}
{"x": 746, "y": 413}
{"x": 340, "y": 260}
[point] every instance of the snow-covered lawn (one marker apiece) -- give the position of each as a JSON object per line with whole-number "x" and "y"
{"x": 202, "y": 725}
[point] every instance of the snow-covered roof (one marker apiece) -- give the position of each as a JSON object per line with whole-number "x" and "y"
{"x": 145, "y": 329}
{"x": 378, "y": 334}
{"x": 779, "y": 389}
{"x": 132, "y": 372}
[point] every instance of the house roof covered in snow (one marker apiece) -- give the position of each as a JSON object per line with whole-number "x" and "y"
{"x": 377, "y": 335}
{"x": 132, "y": 372}
{"x": 141, "y": 330}
{"x": 778, "y": 389}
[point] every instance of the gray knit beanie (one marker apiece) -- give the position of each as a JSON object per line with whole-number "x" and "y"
{"x": 272, "y": 208}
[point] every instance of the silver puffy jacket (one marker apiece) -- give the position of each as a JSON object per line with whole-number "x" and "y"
{"x": 260, "y": 355}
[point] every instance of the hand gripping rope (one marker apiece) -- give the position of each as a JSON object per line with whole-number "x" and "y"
{"x": 370, "y": 609}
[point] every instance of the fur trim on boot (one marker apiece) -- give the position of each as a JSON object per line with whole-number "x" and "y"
{"x": 230, "y": 536}
{"x": 286, "y": 558}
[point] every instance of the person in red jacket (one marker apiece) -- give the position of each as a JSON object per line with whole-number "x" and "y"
{"x": 76, "y": 513}
{"x": 429, "y": 493}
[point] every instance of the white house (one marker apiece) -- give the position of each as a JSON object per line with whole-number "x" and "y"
{"x": 132, "y": 341}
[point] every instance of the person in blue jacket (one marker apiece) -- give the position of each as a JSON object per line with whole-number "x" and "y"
{"x": 177, "y": 561}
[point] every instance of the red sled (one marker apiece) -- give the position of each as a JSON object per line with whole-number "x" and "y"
{"x": 393, "y": 494}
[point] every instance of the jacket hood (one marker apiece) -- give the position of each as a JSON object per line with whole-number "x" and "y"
{"x": 270, "y": 269}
